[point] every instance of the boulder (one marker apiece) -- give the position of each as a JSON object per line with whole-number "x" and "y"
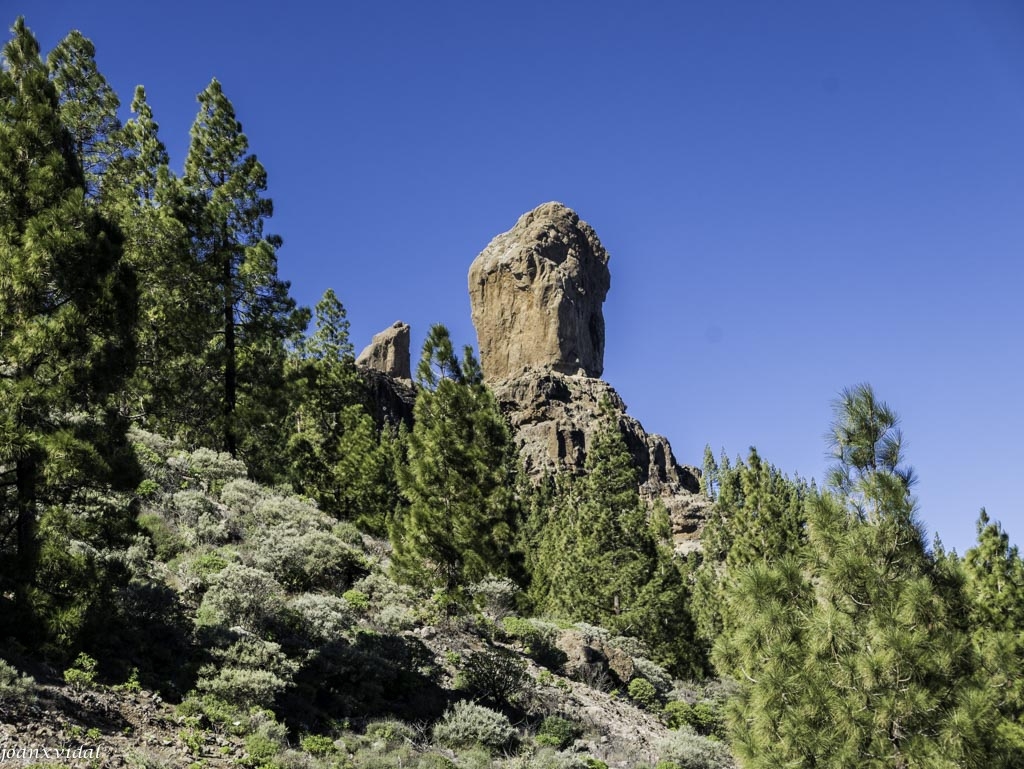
{"x": 536, "y": 293}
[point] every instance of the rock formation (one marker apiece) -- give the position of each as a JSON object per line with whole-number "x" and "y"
{"x": 536, "y": 293}
{"x": 386, "y": 369}
{"x": 388, "y": 352}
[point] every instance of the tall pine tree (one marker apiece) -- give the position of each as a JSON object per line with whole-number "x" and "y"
{"x": 856, "y": 653}
{"x": 67, "y": 305}
{"x": 250, "y": 311}
{"x": 335, "y": 453}
{"x": 140, "y": 194}
{"x": 88, "y": 106}
{"x": 457, "y": 480}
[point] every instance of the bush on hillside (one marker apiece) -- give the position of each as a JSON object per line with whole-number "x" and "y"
{"x": 467, "y": 724}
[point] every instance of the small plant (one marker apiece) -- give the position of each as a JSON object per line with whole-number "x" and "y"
{"x": 557, "y": 732}
{"x": 357, "y": 599}
{"x": 132, "y": 685}
{"x": 686, "y": 748}
{"x": 497, "y": 675}
{"x": 93, "y": 733}
{"x": 194, "y": 740}
{"x": 15, "y": 689}
{"x": 452, "y": 658}
{"x": 318, "y": 745}
{"x": 703, "y": 717}
{"x": 81, "y": 675}
{"x": 643, "y": 693}
{"x": 545, "y": 677}
{"x": 468, "y": 724}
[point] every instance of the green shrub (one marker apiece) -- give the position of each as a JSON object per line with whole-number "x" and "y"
{"x": 147, "y": 488}
{"x": 242, "y": 596}
{"x": 242, "y": 495}
{"x": 685, "y": 749}
{"x": 303, "y": 560}
{"x": 557, "y": 732}
{"x": 468, "y": 724}
{"x": 81, "y": 675}
{"x": 322, "y": 617}
{"x": 251, "y": 673}
{"x": 496, "y": 674}
{"x": 357, "y": 599}
{"x": 267, "y": 741}
{"x": 132, "y": 685}
{"x": 205, "y": 469}
{"x": 390, "y": 732}
{"x": 167, "y": 542}
{"x": 705, "y": 718}
{"x": 15, "y": 689}
{"x": 643, "y": 693}
{"x": 495, "y": 596}
{"x": 318, "y": 745}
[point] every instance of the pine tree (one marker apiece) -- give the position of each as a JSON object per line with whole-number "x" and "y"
{"x": 595, "y": 551}
{"x": 758, "y": 516}
{"x": 251, "y": 313}
{"x": 140, "y": 194}
{"x": 857, "y": 653}
{"x": 335, "y": 453}
{"x": 994, "y": 572}
{"x": 67, "y": 305}
{"x": 88, "y": 106}
{"x": 457, "y": 478}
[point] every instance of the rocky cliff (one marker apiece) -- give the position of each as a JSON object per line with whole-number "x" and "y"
{"x": 536, "y": 293}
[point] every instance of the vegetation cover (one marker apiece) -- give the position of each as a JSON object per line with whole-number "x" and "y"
{"x": 199, "y": 509}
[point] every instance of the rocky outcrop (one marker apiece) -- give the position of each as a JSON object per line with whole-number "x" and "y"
{"x": 536, "y": 293}
{"x": 555, "y": 418}
{"x": 386, "y": 370}
{"x": 391, "y": 400}
{"x": 388, "y": 352}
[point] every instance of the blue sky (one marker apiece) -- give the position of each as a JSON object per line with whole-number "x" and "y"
{"x": 796, "y": 197}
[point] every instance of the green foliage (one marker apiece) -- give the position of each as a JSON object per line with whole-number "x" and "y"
{"x": 318, "y": 745}
{"x": 304, "y": 559}
{"x": 643, "y": 693}
{"x": 88, "y": 106}
{"x": 322, "y": 617}
{"x": 357, "y": 599}
{"x": 132, "y": 685}
{"x": 250, "y": 312}
{"x": 557, "y": 732}
{"x": 467, "y": 724}
{"x": 16, "y": 689}
{"x": 994, "y": 575}
{"x": 335, "y": 454}
{"x": 242, "y": 596}
{"x": 496, "y": 675}
{"x": 68, "y": 307}
{"x": 759, "y": 515}
{"x": 859, "y": 651}
{"x": 685, "y": 749}
{"x": 250, "y": 673}
{"x": 705, "y": 718}
{"x": 455, "y": 528}
{"x": 81, "y": 675}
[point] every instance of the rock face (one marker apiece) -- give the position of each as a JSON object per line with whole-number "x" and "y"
{"x": 555, "y": 417}
{"x": 536, "y": 293}
{"x": 388, "y": 352}
{"x": 386, "y": 369}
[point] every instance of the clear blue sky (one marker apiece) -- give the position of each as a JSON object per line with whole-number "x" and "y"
{"x": 796, "y": 196}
